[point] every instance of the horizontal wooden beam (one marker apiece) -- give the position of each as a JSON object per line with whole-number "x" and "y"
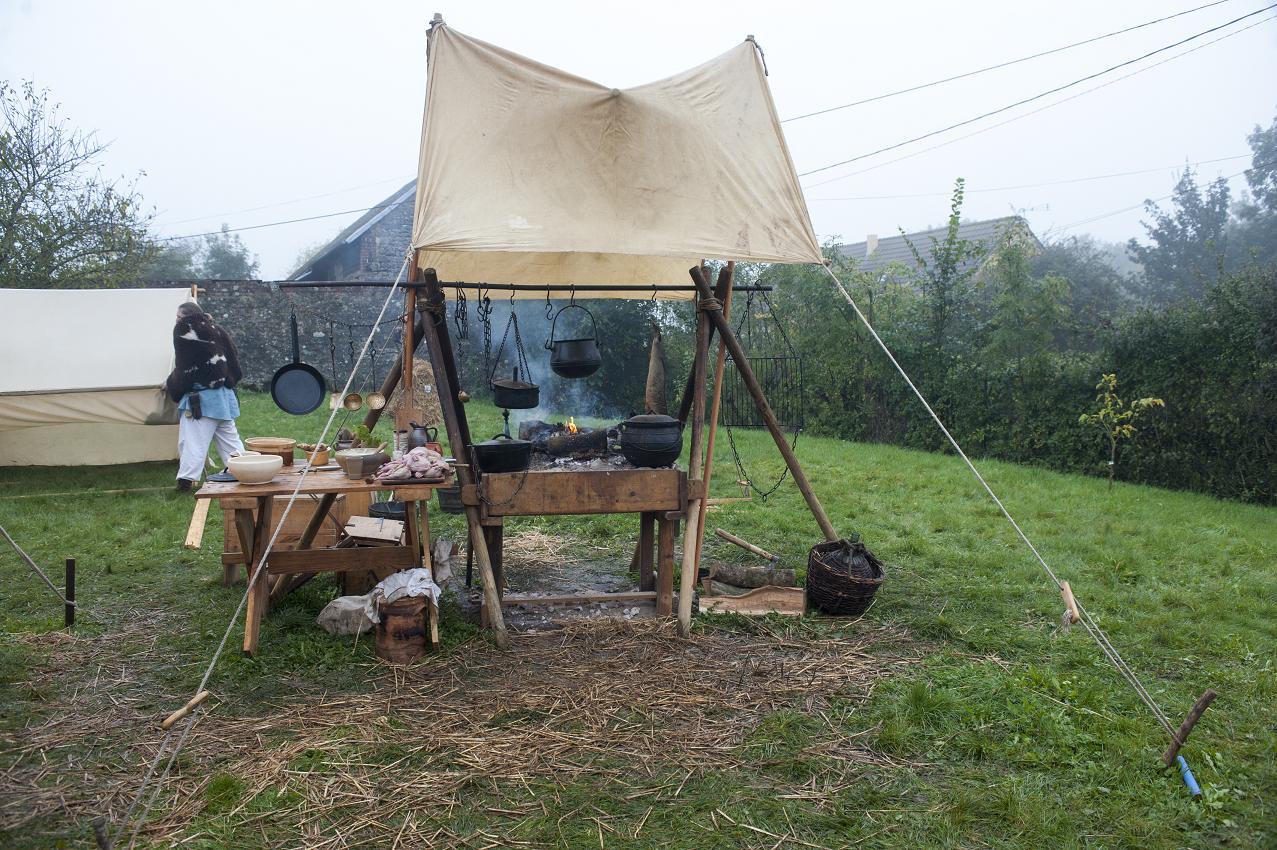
{"x": 339, "y": 560}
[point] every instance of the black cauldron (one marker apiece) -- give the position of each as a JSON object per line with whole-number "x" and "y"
{"x": 515, "y": 394}
{"x": 574, "y": 358}
{"x": 651, "y": 439}
{"x": 503, "y": 454}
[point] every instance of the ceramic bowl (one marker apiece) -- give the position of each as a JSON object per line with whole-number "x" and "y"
{"x": 255, "y": 469}
{"x": 352, "y": 460}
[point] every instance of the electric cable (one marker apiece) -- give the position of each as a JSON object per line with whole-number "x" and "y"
{"x": 1039, "y": 95}
{"x": 999, "y": 65}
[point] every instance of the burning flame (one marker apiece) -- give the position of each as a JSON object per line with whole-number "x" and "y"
{"x": 572, "y": 429}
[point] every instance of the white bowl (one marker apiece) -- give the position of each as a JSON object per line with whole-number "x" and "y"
{"x": 255, "y": 469}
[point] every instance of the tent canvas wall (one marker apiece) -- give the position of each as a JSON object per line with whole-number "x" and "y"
{"x": 79, "y": 375}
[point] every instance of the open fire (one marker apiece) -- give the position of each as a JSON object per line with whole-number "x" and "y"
{"x": 566, "y": 444}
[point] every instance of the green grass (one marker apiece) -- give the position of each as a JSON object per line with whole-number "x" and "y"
{"x": 1008, "y": 734}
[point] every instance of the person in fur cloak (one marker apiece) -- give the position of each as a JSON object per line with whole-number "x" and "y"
{"x": 203, "y": 385}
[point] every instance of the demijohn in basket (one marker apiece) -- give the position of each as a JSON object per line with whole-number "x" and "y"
{"x": 834, "y": 590}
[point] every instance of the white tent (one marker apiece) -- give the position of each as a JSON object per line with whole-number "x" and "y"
{"x": 530, "y": 175}
{"x": 79, "y": 376}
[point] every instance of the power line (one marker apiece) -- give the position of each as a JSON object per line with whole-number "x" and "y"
{"x": 272, "y": 223}
{"x": 1006, "y": 64}
{"x": 1102, "y": 216}
{"x": 1033, "y": 185}
{"x": 1038, "y": 96}
{"x": 1051, "y": 105}
{"x": 291, "y": 201}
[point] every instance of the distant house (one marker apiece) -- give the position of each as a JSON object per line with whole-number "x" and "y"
{"x": 891, "y": 255}
{"x": 372, "y": 248}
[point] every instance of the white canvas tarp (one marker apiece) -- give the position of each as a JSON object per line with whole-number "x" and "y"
{"x": 532, "y": 175}
{"x": 79, "y": 375}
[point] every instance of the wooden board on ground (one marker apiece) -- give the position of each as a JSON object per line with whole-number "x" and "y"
{"x": 558, "y": 492}
{"x": 759, "y": 601}
{"x": 195, "y": 531}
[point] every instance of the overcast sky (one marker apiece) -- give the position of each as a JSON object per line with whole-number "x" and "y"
{"x": 254, "y": 112}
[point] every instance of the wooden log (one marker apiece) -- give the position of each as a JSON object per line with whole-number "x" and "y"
{"x": 760, "y": 401}
{"x": 687, "y": 578}
{"x": 190, "y": 706}
{"x": 195, "y": 531}
{"x": 1181, "y": 736}
{"x": 723, "y": 293}
{"x": 440, "y": 347}
{"x": 747, "y": 546}
{"x": 753, "y": 576}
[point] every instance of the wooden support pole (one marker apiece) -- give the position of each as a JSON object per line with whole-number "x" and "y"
{"x": 1181, "y": 736}
{"x": 723, "y": 292}
{"x": 405, "y": 357}
{"x": 69, "y": 613}
{"x": 760, "y": 401}
{"x": 440, "y": 347}
{"x": 687, "y": 578}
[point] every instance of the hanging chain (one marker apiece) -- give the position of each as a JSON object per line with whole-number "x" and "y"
{"x": 484, "y": 311}
{"x": 522, "y": 362}
{"x": 332, "y": 349}
{"x": 350, "y": 337}
{"x": 549, "y": 308}
{"x": 461, "y": 315}
{"x": 740, "y": 466}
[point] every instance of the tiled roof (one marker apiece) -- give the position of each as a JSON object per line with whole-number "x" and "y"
{"x": 894, "y": 249}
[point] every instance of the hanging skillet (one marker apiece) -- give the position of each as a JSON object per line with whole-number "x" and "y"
{"x": 297, "y": 388}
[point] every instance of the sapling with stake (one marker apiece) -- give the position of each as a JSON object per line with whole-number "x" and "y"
{"x": 1114, "y": 417}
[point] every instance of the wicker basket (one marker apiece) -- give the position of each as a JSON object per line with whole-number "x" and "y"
{"x": 836, "y": 587}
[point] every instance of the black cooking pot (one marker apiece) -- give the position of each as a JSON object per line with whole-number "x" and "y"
{"x": 651, "y": 439}
{"x": 574, "y": 358}
{"x": 503, "y": 454}
{"x": 515, "y": 394}
{"x": 298, "y": 388}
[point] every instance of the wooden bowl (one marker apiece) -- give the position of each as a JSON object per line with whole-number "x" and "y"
{"x": 282, "y": 447}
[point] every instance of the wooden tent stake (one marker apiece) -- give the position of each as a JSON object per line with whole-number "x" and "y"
{"x": 440, "y": 346}
{"x": 723, "y": 294}
{"x": 760, "y": 401}
{"x": 687, "y": 581}
{"x": 1194, "y": 715}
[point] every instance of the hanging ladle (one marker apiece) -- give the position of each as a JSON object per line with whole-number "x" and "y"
{"x": 375, "y": 400}
{"x": 352, "y": 401}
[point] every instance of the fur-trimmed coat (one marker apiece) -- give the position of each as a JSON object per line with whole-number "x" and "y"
{"x": 205, "y": 355}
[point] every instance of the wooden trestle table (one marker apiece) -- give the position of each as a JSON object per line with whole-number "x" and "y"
{"x": 288, "y": 569}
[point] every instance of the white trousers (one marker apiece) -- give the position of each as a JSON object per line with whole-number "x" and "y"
{"x": 193, "y": 438}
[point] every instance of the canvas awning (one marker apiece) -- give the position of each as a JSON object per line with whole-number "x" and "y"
{"x": 530, "y": 175}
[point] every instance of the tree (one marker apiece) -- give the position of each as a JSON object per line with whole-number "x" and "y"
{"x": 225, "y": 257}
{"x": 62, "y": 224}
{"x": 1115, "y": 418}
{"x": 1188, "y": 249}
{"x": 1253, "y": 235}
{"x": 1026, "y": 309}
{"x": 945, "y": 273}
{"x": 1098, "y": 290}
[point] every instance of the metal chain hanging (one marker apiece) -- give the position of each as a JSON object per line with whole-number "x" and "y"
{"x": 521, "y": 365}
{"x": 484, "y": 310}
{"x": 461, "y": 315}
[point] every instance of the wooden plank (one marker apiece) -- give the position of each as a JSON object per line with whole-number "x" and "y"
{"x": 376, "y": 529}
{"x": 579, "y": 598}
{"x": 315, "y": 483}
{"x": 292, "y": 527}
{"x": 259, "y": 590}
{"x": 724, "y": 294}
{"x": 340, "y": 560}
{"x": 647, "y": 539}
{"x": 195, "y": 531}
{"x": 664, "y": 566}
{"x": 557, "y": 492}
{"x": 316, "y": 520}
{"x": 759, "y": 601}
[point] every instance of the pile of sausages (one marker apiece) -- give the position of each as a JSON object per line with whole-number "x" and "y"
{"x": 419, "y": 463}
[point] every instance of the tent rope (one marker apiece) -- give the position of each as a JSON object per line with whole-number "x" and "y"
{"x": 252, "y": 581}
{"x": 1088, "y": 622}
{"x": 36, "y": 567}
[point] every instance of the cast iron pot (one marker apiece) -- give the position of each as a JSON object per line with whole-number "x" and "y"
{"x": 503, "y": 454}
{"x": 298, "y": 388}
{"x": 574, "y": 358}
{"x": 651, "y": 439}
{"x": 515, "y": 394}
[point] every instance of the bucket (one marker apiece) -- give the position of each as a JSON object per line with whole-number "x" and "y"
{"x": 401, "y": 634}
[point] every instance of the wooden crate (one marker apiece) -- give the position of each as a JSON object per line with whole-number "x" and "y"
{"x": 548, "y": 492}
{"x": 296, "y": 523}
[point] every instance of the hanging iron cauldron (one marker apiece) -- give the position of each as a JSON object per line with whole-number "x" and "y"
{"x": 574, "y": 358}
{"x": 515, "y": 394}
{"x": 652, "y": 439}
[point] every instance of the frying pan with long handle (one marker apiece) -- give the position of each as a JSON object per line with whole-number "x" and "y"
{"x": 297, "y": 388}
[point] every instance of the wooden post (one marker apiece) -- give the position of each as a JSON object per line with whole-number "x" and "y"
{"x": 723, "y": 294}
{"x": 687, "y": 578}
{"x": 665, "y": 529}
{"x": 760, "y": 401}
{"x": 405, "y": 357}
{"x": 69, "y": 613}
{"x": 259, "y": 592}
{"x": 647, "y": 527}
{"x": 440, "y": 347}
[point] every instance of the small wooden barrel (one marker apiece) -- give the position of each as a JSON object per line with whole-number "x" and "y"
{"x": 401, "y": 634}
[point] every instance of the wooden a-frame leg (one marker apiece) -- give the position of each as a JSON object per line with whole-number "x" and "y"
{"x": 244, "y": 528}
{"x": 285, "y": 584}
{"x": 258, "y": 594}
